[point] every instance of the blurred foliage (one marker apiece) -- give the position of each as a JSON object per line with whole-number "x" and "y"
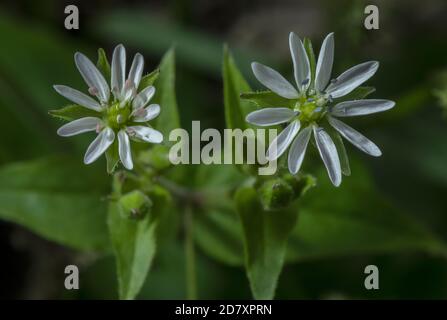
{"x": 390, "y": 212}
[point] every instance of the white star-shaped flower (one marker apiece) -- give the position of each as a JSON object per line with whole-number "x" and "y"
{"x": 313, "y": 106}
{"x": 124, "y": 115}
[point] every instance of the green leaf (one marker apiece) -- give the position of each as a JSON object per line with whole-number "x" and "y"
{"x": 103, "y": 64}
{"x": 73, "y": 112}
{"x": 134, "y": 220}
{"x": 57, "y": 198}
{"x": 357, "y": 94}
{"x": 134, "y": 247}
{"x": 165, "y": 95}
{"x": 112, "y": 157}
{"x": 234, "y": 85}
{"x": 311, "y": 55}
{"x": 133, "y": 223}
{"x": 149, "y": 79}
{"x": 267, "y": 99}
{"x": 265, "y": 241}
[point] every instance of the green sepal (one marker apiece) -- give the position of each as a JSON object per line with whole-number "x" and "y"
{"x": 357, "y": 94}
{"x": 73, "y": 112}
{"x": 103, "y": 64}
{"x": 300, "y": 183}
{"x": 112, "y": 157}
{"x": 312, "y": 62}
{"x": 149, "y": 79}
{"x": 275, "y": 194}
{"x": 267, "y": 99}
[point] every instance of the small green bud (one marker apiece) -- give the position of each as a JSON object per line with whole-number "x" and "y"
{"x": 276, "y": 194}
{"x": 299, "y": 183}
{"x": 135, "y": 204}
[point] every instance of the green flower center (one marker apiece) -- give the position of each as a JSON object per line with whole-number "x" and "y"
{"x": 312, "y": 108}
{"x": 117, "y": 115}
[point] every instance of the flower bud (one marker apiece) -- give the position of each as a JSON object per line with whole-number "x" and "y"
{"x": 276, "y": 194}
{"x": 135, "y": 205}
{"x": 299, "y": 183}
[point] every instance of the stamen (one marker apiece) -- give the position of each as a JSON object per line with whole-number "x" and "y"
{"x": 93, "y": 91}
{"x": 98, "y": 128}
{"x": 305, "y": 82}
{"x": 140, "y": 112}
{"x": 128, "y": 85}
{"x": 119, "y": 119}
{"x": 131, "y": 132}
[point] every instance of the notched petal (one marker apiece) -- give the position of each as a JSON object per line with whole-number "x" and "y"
{"x": 301, "y": 63}
{"x": 361, "y": 107}
{"x": 329, "y": 155}
{"x": 355, "y": 137}
{"x": 280, "y": 144}
{"x": 298, "y": 150}
{"x": 325, "y": 62}
{"x": 79, "y": 126}
{"x": 99, "y": 145}
{"x": 124, "y": 150}
{"x": 274, "y": 81}
{"x": 352, "y": 78}
{"x": 270, "y": 116}
{"x": 92, "y": 76}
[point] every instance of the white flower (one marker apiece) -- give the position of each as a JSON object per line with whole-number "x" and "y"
{"x": 120, "y": 114}
{"x": 315, "y": 105}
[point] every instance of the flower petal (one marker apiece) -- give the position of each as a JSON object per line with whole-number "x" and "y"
{"x": 124, "y": 150}
{"x": 355, "y": 137}
{"x": 99, "y": 145}
{"x": 136, "y": 70}
{"x": 282, "y": 141}
{"x": 300, "y": 60}
{"x": 361, "y": 107}
{"x": 325, "y": 62}
{"x": 146, "y": 114}
{"x": 274, "y": 81}
{"x": 78, "y": 97}
{"x": 270, "y": 116}
{"x": 146, "y": 134}
{"x": 142, "y": 99}
{"x": 352, "y": 78}
{"x": 92, "y": 77}
{"x": 298, "y": 150}
{"x": 79, "y": 126}
{"x": 118, "y": 71}
{"x": 329, "y": 155}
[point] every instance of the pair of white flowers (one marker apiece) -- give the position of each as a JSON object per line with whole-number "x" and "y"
{"x": 125, "y": 115}
{"x": 313, "y": 105}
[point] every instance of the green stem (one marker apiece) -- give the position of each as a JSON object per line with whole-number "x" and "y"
{"x": 191, "y": 280}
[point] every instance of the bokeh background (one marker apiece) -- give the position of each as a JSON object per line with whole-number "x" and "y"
{"x": 411, "y": 45}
